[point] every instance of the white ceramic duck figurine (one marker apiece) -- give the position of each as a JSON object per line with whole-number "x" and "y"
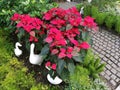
{"x": 54, "y": 81}
{"x": 35, "y": 59}
{"x": 68, "y": 0}
{"x": 89, "y": 1}
{"x": 17, "y": 51}
{"x": 82, "y": 10}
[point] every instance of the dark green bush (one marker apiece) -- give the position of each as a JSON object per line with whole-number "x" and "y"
{"x": 87, "y": 10}
{"x": 110, "y": 21}
{"x": 100, "y": 19}
{"x": 117, "y": 24}
{"x": 32, "y": 7}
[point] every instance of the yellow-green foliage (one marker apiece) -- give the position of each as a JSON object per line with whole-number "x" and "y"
{"x": 100, "y": 19}
{"x": 92, "y": 63}
{"x": 5, "y": 49}
{"x": 110, "y": 21}
{"x": 80, "y": 76}
{"x": 117, "y": 25}
{"x": 13, "y": 74}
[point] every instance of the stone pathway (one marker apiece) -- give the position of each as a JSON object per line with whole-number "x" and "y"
{"x": 107, "y": 46}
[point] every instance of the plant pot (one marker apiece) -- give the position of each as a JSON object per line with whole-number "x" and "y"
{"x": 54, "y": 81}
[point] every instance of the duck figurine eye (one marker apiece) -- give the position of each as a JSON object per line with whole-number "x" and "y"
{"x": 17, "y": 51}
{"x": 35, "y": 59}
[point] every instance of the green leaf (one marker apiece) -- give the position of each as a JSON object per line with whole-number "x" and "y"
{"x": 85, "y": 36}
{"x": 71, "y": 67}
{"x": 78, "y": 58}
{"x": 45, "y": 50}
{"x": 61, "y": 65}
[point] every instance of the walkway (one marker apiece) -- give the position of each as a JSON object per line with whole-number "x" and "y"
{"x": 107, "y": 46}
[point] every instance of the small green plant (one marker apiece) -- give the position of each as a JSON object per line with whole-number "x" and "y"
{"x": 94, "y": 11}
{"x": 100, "y": 19}
{"x": 117, "y": 25}
{"x": 81, "y": 76}
{"x": 87, "y": 10}
{"x": 92, "y": 63}
{"x": 110, "y": 21}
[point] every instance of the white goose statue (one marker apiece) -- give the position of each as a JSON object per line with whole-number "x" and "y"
{"x": 54, "y": 81}
{"x": 68, "y": 0}
{"x": 82, "y": 10}
{"x": 35, "y": 59}
{"x": 89, "y": 1}
{"x": 17, "y": 51}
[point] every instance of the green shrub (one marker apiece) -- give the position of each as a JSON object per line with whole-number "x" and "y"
{"x": 81, "y": 76}
{"x": 80, "y": 80}
{"x": 117, "y": 24}
{"x": 92, "y": 63}
{"x": 32, "y": 7}
{"x": 94, "y": 11}
{"x": 87, "y": 10}
{"x": 100, "y": 19}
{"x": 110, "y": 21}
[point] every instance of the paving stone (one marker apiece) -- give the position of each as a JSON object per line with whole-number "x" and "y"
{"x": 113, "y": 82}
{"x": 114, "y": 66}
{"x": 118, "y": 74}
{"x": 107, "y": 55}
{"x": 118, "y": 88}
{"x": 113, "y": 71}
{"x": 108, "y": 72}
{"x": 118, "y": 64}
{"x": 117, "y": 80}
{"x": 113, "y": 76}
{"x": 109, "y": 62}
{"x": 107, "y": 77}
{"x": 111, "y": 58}
{"x": 105, "y": 59}
{"x": 108, "y": 66}
{"x": 102, "y": 56}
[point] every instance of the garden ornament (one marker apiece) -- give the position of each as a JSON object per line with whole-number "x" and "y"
{"x": 82, "y": 10}
{"x": 35, "y": 59}
{"x": 89, "y": 1}
{"x": 17, "y": 51}
{"x": 68, "y": 0}
{"x": 54, "y": 81}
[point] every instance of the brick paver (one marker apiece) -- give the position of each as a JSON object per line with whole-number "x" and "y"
{"x": 107, "y": 46}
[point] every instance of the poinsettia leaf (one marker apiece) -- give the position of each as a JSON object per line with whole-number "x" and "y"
{"x": 78, "y": 58}
{"x": 61, "y": 65}
{"x": 45, "y": 50}
{"x": 32, "y": 33}
{"x": 71, "y": 67}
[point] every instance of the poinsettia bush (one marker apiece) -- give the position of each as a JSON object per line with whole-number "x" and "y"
{"x": 64, "y": 32}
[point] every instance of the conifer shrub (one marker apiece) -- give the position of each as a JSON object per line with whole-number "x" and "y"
{"x": 100, "y": 19}
{"x": 87, "y": 10}
{"x": 117, "y": 24}
{"x": 94, "y": 11}
{"x": 110, "y": 21}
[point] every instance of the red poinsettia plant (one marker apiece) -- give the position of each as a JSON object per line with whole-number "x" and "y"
{"x": 64, "y": 31}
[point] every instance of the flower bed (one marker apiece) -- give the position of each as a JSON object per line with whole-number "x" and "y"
{"x": 62, "y": 40}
